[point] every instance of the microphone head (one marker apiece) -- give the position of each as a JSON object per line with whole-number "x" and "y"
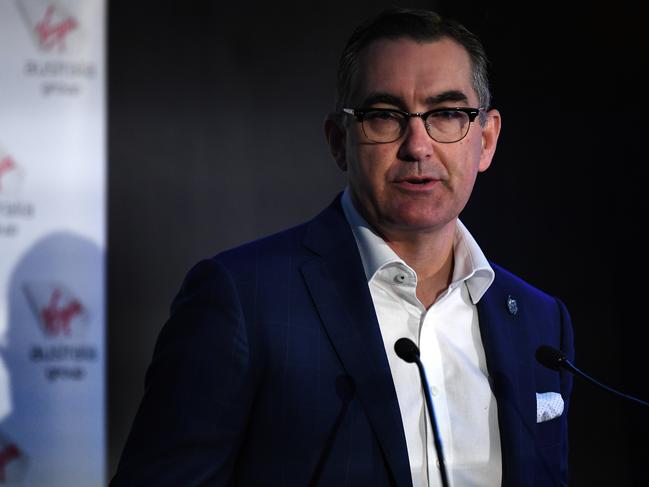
{"x": 550, "y": 357}
{"x": 406, "y": 350}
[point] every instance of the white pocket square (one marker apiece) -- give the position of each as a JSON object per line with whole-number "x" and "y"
{"x": 549, "y": 405}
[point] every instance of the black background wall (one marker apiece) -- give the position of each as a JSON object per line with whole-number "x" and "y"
{"x": 215, "y": 138}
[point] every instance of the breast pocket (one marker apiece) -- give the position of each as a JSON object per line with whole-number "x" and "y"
{"x": 549, "y": 433}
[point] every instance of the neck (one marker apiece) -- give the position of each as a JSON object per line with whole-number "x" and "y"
{"x": 430, "y": 254}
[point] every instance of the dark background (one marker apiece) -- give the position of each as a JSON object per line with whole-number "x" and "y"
{"x": 215, "y": 138}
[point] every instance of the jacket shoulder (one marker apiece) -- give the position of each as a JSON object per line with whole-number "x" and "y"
{"x": 284, "y": 242}
{"x": 506, "y": 279}
{"x": 294, "y": 244}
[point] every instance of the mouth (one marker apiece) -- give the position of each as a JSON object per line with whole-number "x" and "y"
{"x": 417, "y": 183}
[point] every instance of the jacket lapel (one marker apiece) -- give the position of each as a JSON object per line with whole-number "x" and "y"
{"x": 505, "y": 339}
{"x": 337, "y": 283}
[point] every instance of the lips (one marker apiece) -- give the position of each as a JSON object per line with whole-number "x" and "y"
{"x": 417, "y": 180}
{"x": 416, "y": 183}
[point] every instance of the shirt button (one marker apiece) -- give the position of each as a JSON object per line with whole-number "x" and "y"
{"x": 400, "y": 278}
{"x": 434, "y": 391}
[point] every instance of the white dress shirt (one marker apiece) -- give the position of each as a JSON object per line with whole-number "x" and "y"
{"x": 448, "y": 337}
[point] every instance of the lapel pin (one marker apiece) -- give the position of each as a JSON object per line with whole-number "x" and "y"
{"x": 512, "y": 305}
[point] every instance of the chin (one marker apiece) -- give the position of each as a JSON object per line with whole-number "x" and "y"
{"x": 419, "y": 223}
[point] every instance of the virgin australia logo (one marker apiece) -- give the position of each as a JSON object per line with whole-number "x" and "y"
{"x": 59, "y": 312}
{"x": 63, "y": 320}
{"x": 50, "y": 23}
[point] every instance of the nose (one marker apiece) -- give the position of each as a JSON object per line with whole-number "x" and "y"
{"x": 416, "y": 144}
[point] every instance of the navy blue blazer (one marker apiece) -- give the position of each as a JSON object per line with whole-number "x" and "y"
{"x": 271, "y": 371}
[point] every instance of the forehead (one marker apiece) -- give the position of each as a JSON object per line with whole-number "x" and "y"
{"x": 414, "y": 71}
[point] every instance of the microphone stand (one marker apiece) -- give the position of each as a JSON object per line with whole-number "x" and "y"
{"x": 408, "y": 351}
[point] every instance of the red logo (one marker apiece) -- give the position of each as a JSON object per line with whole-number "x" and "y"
{"x": 59, "y": 312}
{"x": 8, "y": 453}
{"x": 11, "y": 173}
{"x": 13, "y": 462}
{"x": 57, "y": 316}
{"x": 52, "y": 33}
{"x": 51, "y": 24}
{"x": 6, "y": 164}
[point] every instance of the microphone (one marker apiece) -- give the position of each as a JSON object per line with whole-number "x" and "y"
{"x": 408, "y": 351}
{"x": 556, "y": 360}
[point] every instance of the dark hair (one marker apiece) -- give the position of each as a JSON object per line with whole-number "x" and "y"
{"x": 421, "y": 26}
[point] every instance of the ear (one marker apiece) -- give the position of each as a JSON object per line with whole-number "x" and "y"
{"x": 490, "y": 133}
{"x": 336, "y": 137}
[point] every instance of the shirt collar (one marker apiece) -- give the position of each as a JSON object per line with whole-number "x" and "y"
{"x": 471, "y": 265}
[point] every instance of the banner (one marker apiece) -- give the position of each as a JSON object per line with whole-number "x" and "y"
{"x": 52, "y": 242}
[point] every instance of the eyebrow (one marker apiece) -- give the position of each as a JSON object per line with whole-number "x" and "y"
{"x": 445, "y": 96}
{"x": 451, "y": 95}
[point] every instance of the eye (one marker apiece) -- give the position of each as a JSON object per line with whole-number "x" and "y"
{"x": 448, "y": 115}
{"x": 383, "y": 115}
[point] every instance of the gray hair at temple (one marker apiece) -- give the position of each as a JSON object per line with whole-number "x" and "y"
{"x": 421, "y": 26}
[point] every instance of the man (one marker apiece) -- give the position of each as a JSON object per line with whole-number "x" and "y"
{"x": 277, "y": 365}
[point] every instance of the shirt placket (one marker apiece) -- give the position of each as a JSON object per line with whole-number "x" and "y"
{"x": 431, "y": 357}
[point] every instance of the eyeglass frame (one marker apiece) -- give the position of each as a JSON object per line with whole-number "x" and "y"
{"x": 360, "y": 113}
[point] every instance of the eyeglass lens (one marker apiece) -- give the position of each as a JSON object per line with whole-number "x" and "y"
{"x": 445, "y": 126}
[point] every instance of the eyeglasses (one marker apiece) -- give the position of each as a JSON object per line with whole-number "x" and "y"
{"x": 445, "y": 125}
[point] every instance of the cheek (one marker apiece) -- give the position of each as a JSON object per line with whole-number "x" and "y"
{"x": 466, "y": 159}
{"x": 364, "y": 180}
{"x": 465, "y": 175}
{"x": 370, "y": 164}
{"x": 474, "y": 151}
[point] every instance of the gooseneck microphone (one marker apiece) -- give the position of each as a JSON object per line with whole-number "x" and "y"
{"x": 408, "y": 351}
{"x": 556, "y": 360}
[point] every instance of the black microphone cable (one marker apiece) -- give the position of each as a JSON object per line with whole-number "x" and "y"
{"x": 555, "y": 359}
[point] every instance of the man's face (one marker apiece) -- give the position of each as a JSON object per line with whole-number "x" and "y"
{"x": 414, "y": 184}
